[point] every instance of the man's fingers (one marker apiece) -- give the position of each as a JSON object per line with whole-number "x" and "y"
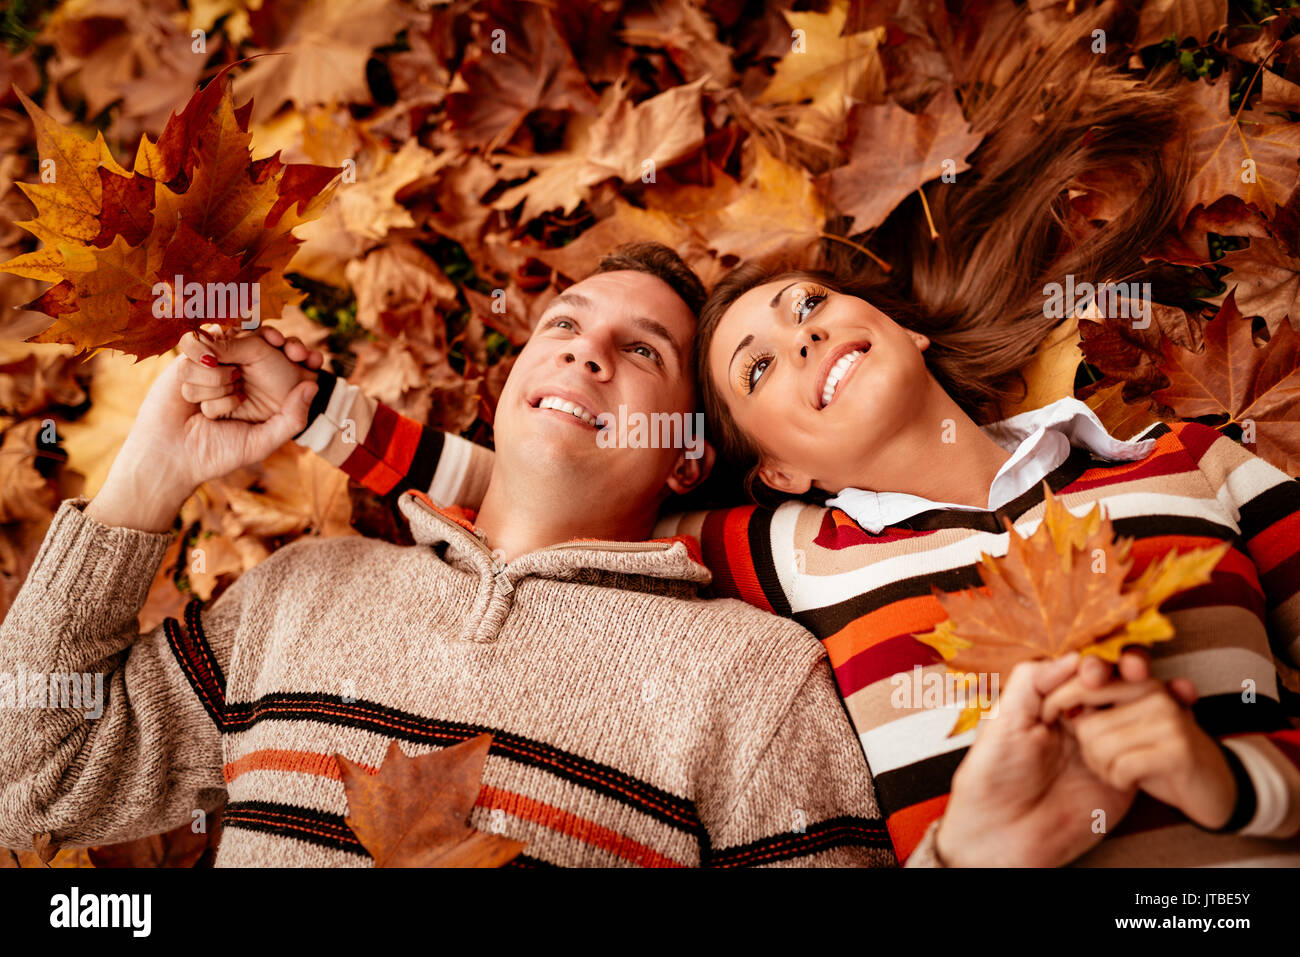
{"x": 294, "y": 349}
{"x": 1075, "y": 693}
{"x": 216, "y": 408}
{"x": 273, "y": 336}
{"x": 1093, "y": 672}
{"x": 1020, "y": 700}
{"x": 193, "y": 392}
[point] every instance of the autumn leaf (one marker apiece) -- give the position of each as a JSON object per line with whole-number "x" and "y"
{"x": 1265, "y": 279}
{"x": 1122, "y": 419}
{"x": 876, "y": 180}
{"x": 195, "y": 205}
{"x": 1227, "y": 146}
{"x": 1180, "y": 19}
{"x": 1064, "y": 588}
{"x": 1255, "y": 387}
{"x": 413, "y": 812}
{"x": 777, "y": 210}
{"x": 825, "y": 67}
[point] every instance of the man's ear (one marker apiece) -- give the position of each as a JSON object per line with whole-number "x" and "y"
{"x": 688, "y": 473}
{"x": 783, "y": 478}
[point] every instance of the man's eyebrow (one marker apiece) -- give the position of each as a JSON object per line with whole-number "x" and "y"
{"x": 743, "y": 342}
{"x": 777, "y": 298}
{"x": 658, "y": 329}
{"x": 569, "y": 299}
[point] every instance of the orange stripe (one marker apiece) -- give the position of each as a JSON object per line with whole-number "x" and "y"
{"x": 907, "y": 826}
{"x": 739, "y": 559}
{"x": 397, "y": 456}
{"x": 547, "y": 815}
{"x": 903, "y": 617}
{"x": 516, "y": 805}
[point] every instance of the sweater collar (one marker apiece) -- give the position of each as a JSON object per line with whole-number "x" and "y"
{"x": 1039, "y": 441}
{"x": 670, "y": 561}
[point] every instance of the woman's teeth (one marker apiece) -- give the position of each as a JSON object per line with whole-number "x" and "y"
{"x": 837, "y": 373}
{"x": 563, "y": 405}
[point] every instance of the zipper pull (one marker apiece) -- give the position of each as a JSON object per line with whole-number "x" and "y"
{"x": 503, "y": 580}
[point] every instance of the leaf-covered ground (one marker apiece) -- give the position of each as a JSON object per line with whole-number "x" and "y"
{"x": 496, "y": 149}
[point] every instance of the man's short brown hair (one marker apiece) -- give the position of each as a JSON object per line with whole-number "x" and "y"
{"x": 662, "y": 262}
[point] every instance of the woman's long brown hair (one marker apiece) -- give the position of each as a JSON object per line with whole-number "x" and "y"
{"x": 977, "y": 290}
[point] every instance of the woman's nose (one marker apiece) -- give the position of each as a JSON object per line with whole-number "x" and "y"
{"x": 805, "y": 340}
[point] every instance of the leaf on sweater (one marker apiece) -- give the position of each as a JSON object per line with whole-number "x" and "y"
{"x": 1064, "y": 588}
{"x": 413, "y": 811}
{"x": 195, "y": 206}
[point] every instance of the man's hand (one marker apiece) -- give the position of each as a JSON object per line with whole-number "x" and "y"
{"x": 247, "y": 378}
{"x": 172, "y": 448}
{"x": 1023, "y": 796}
{"x": 1137, "y": 732}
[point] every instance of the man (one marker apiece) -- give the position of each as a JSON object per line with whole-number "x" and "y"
{"x": 633, "y": 722}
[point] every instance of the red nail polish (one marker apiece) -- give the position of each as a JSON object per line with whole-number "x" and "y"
{"x": 209, "y": 361}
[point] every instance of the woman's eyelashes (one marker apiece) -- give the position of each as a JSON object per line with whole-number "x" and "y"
{"x": 809, "y": 297}
{"x": 753, "y": 363}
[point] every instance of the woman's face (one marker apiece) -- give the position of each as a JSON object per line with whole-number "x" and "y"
{"x": 822, "y": 382}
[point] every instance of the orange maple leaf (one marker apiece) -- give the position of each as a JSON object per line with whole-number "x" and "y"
{"x": 413, "y": 812}
{"x": 1064, "y": 588}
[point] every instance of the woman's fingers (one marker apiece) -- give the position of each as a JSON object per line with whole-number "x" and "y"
{"x": 273, "y": 335}
{"x": 1028, "y": 682}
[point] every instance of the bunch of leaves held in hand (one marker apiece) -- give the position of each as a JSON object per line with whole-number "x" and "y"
{"x": 194, "y": 206}
{"x": 1064, "y": 588}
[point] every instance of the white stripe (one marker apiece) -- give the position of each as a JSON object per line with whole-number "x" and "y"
{"x": 818, "y": 591}
{"x": 450, "y": 474}
{"x": 1272, "y": 798}
{"x": 1249, "y": 479}
{"x": 330, "y": 422}
{"x": 916, "y": 737}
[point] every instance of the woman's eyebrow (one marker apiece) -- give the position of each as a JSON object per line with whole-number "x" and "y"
{"x": 777, "y": 298}
{"x": 743, "y": 342}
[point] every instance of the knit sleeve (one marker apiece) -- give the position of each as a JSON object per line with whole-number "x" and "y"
{"x": 737, "y": 547}
{"x": 1265, "y": 502}
{"x": 809, "y": 800}
{"x": 104, "y": 736}
{"x": 389, "y": 453}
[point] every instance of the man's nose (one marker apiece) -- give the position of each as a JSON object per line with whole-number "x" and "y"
{"x": 593, "y": 360}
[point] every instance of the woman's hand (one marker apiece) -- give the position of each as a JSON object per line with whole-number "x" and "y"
{"x": 172, "y": 448}
{"x": 1137, "y": 732}
{"x": 247, "y": 378}
{"x": 1023, "y": 796}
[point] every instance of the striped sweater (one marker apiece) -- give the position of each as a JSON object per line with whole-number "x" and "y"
{"x": 633, "y": 722}
{"x": 865, "y": 597}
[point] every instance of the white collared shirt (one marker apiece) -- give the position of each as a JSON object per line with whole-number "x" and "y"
{"x": 1039, "y": 441}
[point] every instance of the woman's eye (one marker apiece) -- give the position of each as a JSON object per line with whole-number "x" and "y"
{"x": 809, "y": 301}
{"x": 756, "y": 372}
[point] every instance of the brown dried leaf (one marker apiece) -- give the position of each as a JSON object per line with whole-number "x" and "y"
{"x": 413, "y": 811}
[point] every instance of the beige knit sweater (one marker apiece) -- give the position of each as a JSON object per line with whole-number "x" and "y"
{"x": 634, "y": 722}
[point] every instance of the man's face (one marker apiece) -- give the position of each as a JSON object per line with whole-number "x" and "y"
{"x": 616, "y": 339}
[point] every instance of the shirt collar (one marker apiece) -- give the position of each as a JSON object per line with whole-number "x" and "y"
{"x": 1039, "y": 442}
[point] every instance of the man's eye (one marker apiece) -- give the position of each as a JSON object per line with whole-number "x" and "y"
{"x": 561, "y": 324}
{"x": 646, "y": 351}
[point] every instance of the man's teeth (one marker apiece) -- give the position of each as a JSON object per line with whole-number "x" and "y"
{"x": 837, "y": 373}
{"x": 563, "y": 405}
